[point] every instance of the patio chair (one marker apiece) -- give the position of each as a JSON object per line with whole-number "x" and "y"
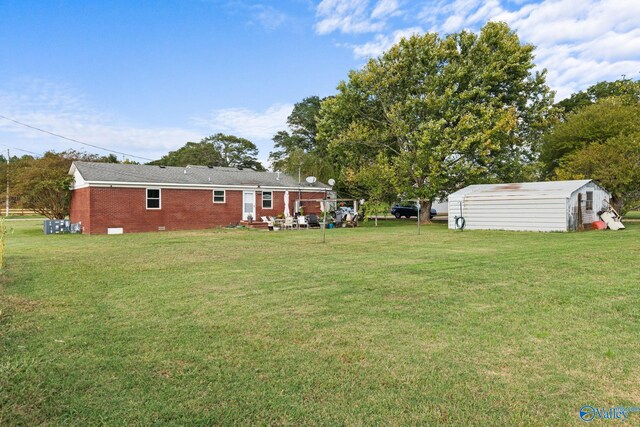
{"x": 268, "y": 221}
{"x": 313, "y": 221}
{"x": 351, "y": 220}
{"x": 302, "y": 222}
{"x": 277, "y": 222}
{"x": 288, "y": 223}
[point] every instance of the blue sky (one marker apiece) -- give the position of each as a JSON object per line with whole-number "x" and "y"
{"x": 144, "y": 77}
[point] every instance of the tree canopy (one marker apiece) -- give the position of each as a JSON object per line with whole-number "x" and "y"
{"x": 615, "y": 164}
{"x": 626, "y": 88}
{"x": 299, "y": 150}
{"x": 43, "y": 183}
{"x": 595, "y": 123}
{"x": 215, "y": 150}
{"x": 600, "y": 141}
{"x": 434, "y": 114}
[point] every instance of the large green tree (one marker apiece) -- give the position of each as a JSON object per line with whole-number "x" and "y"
{"x": 594, "y": 123}
{"x": 43, "y": 183}
{"x": 599, "y": 141}
{"x": 626, "y": 88}
{"x": 297, "y": 150}
{"x": 8, "y": 172}
{"x": 215, "y": 150}
{"x": 440, "y": 113}
{"x": 615, "y": 164}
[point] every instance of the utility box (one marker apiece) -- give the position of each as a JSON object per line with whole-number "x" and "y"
{"x": 57, "y": 226}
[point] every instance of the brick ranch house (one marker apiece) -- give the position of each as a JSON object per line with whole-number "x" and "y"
{"x": 121, "y": 198}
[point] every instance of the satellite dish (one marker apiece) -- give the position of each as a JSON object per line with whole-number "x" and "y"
{"x": 331, "y": 182}
{"x": 311, "y": 179}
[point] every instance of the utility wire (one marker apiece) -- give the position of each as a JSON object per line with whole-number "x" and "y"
{"x": 20, "y": 149}
{"x": 71, "y": 139}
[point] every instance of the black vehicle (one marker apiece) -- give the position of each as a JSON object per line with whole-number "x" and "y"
{"x": 408, "y": 210}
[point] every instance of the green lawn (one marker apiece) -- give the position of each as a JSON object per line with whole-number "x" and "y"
{"x": 377, "y": 326}
{"x": 633, "y": 215}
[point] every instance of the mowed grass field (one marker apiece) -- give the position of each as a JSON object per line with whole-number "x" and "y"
{"x": 633, "y": 215}
{"x": 377, "y": 326}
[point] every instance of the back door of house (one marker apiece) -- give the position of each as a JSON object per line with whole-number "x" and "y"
{"x": 248, "y": 204}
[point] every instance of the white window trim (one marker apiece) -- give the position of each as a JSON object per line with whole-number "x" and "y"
{"x": 224, "y": 196}
{"x": 159, "y": 198}
{"x": 270, "y": 200}
{"x": 586, "y": 201}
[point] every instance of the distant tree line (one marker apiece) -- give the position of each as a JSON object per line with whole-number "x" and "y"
{"x": 42, "y": 183}
{"x": 215, "y": 150}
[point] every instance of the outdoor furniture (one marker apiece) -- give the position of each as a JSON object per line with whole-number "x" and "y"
{"x": 351, "y": 220}
{"x": 289, "y": 223}
{"x": 268, "y": 221}
{"x": 302, "y": 222}
{"x": 313, "y": 221}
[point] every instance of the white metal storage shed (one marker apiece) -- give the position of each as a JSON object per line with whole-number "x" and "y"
{"x": 528, "y": 206}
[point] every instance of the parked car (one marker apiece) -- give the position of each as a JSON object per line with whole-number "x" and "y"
{"x": 408, "y": 210}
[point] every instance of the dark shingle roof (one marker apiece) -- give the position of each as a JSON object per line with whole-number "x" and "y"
{"x": 190, "y": 175}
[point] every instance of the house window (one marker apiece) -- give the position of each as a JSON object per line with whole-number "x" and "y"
{"x": 153, "y": 198}
{"x": 589, "y": 204}
{"x": 267, "y": 200}
{"x": 218, "y": 196}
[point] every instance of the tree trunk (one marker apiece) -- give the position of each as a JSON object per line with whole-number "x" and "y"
{"x": 425, "y": 211}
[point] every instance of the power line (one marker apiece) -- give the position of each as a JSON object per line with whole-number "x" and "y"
{"x": 71, "y": 139}
{"x": 20, "y": 149}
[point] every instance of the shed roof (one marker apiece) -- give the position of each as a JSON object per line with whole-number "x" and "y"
{"x": 93, "y": 172}
{"x": 523, "y": 190}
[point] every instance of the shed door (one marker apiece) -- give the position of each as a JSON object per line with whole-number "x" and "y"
{"x": 248, "y": 204}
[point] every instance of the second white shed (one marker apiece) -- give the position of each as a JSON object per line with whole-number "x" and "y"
{"x": 528, "y": 206}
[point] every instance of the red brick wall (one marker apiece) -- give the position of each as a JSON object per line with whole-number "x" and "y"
{"x": 308, "y": 207}
{"x": 182, "y": 209}
{"x": 278, "y": 203}
{"x": 80, "y": 208}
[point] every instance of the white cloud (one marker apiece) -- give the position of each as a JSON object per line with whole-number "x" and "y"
{"x": 267, "y": 17}
{"x": 346, "y": 16}
{"x": 383, "y": 42}
{"x": 62, "y": 110}
{"x": 452, "y": 23}
{"x": 261, "y": 125}
{"x": 385, "y": 8}
{"x": 257, "y": 126}
{"x": 612, "y": 46}
{"x": 579, "y": 42}
{"x": 59, "y": 109}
